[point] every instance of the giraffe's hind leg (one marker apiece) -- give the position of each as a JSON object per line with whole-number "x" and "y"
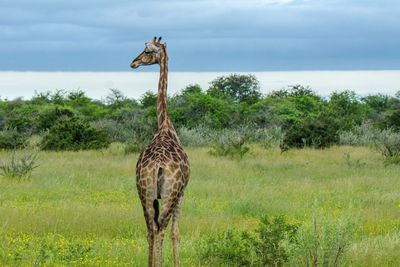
{"x": 152, "y": 228}
{"x": 175, "y": 232}
{"x": 170, "y": 208}
{"x": 171, "y": 191}
{"x": 147, "y": 199}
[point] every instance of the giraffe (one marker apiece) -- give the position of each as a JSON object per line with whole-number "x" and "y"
{"x": 162, "y": 170}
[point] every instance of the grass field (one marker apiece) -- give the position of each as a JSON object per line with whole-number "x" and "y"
{"x": 81, "y": 208}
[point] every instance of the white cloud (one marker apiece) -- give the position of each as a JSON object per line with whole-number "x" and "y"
{"x": 135, "y": 84}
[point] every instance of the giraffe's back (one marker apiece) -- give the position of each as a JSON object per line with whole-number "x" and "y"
{"x": 163, "y": 167}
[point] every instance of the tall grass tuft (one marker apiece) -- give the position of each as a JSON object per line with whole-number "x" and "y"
{"x": 269, "y": 137}
{"x": 19, "y": 165}
{"x": 197, "y": 137}
{"x": 364, "y": 135}
{"x": 386, "y": 141}
{"x": 230, "y": 144}
{"x": 389, "y": 146}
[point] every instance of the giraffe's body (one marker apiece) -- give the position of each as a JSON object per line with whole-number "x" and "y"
{"x": 162, "y": 171}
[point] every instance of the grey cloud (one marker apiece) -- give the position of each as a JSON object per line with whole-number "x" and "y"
{"x": 287, "y": 34}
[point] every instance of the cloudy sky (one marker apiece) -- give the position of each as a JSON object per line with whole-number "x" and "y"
{"x": 202, "y": 35}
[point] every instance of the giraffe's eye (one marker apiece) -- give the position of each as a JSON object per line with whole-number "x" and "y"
{"x": 146, "y": 52}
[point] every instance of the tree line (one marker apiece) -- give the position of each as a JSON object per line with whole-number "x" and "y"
{"x": 70, "y": 120}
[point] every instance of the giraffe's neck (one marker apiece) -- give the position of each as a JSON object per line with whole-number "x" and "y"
{"x": 162, "y": 114}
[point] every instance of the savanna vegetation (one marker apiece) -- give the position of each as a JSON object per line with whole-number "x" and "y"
{"x": 290, "y": 178}
{"x": 233, "y": 105}
{"x": 334, "y": 207}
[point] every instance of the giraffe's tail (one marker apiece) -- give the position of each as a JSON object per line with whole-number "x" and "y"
{"x": 156, "y": 207}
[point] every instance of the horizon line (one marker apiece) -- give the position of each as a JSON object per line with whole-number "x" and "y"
{"x": 202, "y": 71}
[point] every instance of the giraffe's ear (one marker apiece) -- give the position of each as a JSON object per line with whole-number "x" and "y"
{"x": 165, "y": 45}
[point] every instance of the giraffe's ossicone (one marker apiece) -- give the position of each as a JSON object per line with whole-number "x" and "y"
{"x": 162, "y": 170}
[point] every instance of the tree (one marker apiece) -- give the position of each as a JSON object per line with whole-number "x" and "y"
{"x": 241, "y": 88}
{"x": 148, "y": 99}
{"x": 286, "y": 107}
{"x": 117, "y": 100}
{"x": 347, "y": 108}
{"x": 191, "y": 89}
{"x": 192, "y": 108}
{"x": 294, "y": 91}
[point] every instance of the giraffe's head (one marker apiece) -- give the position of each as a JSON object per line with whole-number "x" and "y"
{"x": 150, "y": 55}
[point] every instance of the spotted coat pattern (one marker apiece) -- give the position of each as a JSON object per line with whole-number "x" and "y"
{"x": 162, "y": 171}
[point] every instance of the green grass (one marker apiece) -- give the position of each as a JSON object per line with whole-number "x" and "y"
{"x": 81, "y": 208}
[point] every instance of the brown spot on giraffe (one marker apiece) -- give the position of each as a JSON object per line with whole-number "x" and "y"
{"x": 162, "y": 170}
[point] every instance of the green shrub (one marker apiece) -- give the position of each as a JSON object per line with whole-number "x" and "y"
{"x": 322, "y": 242}
{"x": 2, "y": 118}
{"x": 230, "y": 248}
{"x": 50, "y": 115}
{"x": 11, "y": 139}
{"x": 23, "y": 117}
{"x": 286, "y": 107}
{"x": 19, "y": 165}
{"x": 347, "y": 109}
{"x": 268, "y": 245}
{"x": 320, "y": 132}
{"x": 230, "y": 144}
{"x": 135, "y": 146}
{"x": 241, "y": 88}
{"x": 392, "y": 120}
{"x": 273, "y": 239}
{"x": 74, "y": 134}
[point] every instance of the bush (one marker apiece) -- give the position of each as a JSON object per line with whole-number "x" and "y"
{"x": 322, "y": 242}
{"x": 127, "y": 130}
{"x": 320, "y": 132}
{"x": 392, "y": 120}
{"x": 269, "y": 137}
{"x": 200, "y": 136}
{"x": 389, "y": 145}
{"x": 273, "y": 239}
{"x": 12, "y": 139}
{"x": 74, "y": 134}
{"x": 230, "y": 248}
{"x": 50, "y": 115}
{"x": 346, "y": 107}
{"x": 19, "y": 165}
{"x": 363, "y": 135}
{"x": 135, "y": 146}
{"x": 114, "y": 129}
{"x": 231, "y": 144}
{"x": 268, "y": 245}
{"x": 23, "y": 117}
